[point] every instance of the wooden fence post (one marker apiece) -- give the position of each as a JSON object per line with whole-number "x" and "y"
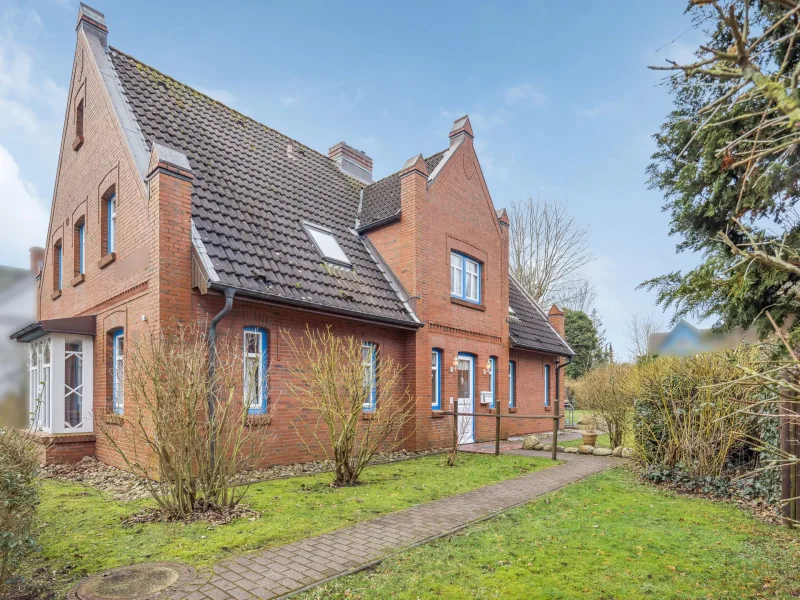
{"x": 555, "y": 430}
{"x": 455, "y": 426}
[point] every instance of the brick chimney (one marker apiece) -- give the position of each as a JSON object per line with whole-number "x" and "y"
{"x": 351, "y": 161}
{"x": 93, "y": 21}
{"x": 556, "y": 318}
{"x": 37, "y": 260}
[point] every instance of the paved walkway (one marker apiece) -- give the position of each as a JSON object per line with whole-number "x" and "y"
{"x": 301, "y": 565}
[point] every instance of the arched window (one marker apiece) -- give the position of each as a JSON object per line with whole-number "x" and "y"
{"x": 436, "y": 379}
{"x": 118, "y": 371}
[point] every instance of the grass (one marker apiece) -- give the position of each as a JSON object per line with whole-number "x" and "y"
{"x": 83, "y": 532}
{"x": 604, "y": 538}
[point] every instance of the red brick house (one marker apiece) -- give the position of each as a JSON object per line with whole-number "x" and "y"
{"x": 170, "y": 207}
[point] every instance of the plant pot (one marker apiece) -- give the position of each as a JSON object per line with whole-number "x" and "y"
{"x": 589, "y": 439}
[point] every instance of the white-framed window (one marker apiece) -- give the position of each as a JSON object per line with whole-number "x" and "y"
{"x": 118, "y": 372}
{"x": 465, "y": 278}
{"x": 326, "y": 243}
{"x": 73, "y": 384}
{"x": 80, "y": 231}
{"x": 436, "y": 378}
{"x": 111, "y": 233}
{"x": 59, "y": 266}
{"x": 512, "y": 384}
{"x": 493, "y": 379}
{"x": 369, "y": 363}
{"x": 547, "y": 385}
{"x": 40, "y": 376}
{"x": 255, "y": 369}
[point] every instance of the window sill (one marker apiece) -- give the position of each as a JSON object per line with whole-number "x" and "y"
{"x": 436, "y": 413}
{"x": 107, "y": 260}
{"x": 548, "y": 409}
{"x": 113, "y": 419}
{"x": 513, "y": 409}
{"x": 78, "y": 142}
{"x": 367, "y": 415}
{"x": 55, "y": 295}
{"x": 468, "y": 304}
{"x": 258, "y": 420}
{"x": 78, "y": 279}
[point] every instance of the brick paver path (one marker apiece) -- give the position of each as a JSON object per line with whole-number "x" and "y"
{"x": 301, "y": 565}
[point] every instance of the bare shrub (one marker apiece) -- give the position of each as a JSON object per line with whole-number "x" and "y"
{"x": 609, "y": 391}
{"x": 353, "y": 412}
{"x": 689, "y": 413}
{"x": 19, "y": 498}
{"x": 461, "y": 427}
{"x": 168, "y": 435}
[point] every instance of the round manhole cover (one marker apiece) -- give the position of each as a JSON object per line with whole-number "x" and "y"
{"x": 136, "y": 582}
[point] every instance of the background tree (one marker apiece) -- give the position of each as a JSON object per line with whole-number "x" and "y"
{"x": 548, "y": 248}
{"x": 583, "y": 338}
{"x": 637, "y": 332}
{"x": 580, "y": 296}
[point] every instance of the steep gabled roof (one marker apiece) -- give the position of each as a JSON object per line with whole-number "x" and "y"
{"x": 253, "y": 189}
{"x": 529, "y": 327}
{"x": 382, "y": 198}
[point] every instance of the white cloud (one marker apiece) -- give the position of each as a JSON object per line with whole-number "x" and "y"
{"x": 525, "y": 92}
{"x": 288, "y": 100}
{"x": 25, "y": 216}
{"x": 597, "y": 111}
{"x": 219, "y": 94}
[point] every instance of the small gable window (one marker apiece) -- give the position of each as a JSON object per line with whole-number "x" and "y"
{"x": 78, "y": 142}
{"x": 465, "y": 278}
{"x": 326, "y": 243}
{"x": 111, "y": 210}
{"x": 58, "y": 271}
{"x": 79, "y": 260}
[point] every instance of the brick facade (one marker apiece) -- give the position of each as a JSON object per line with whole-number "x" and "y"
{"x": 146, "y": 283}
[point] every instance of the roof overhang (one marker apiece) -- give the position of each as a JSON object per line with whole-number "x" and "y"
{"x": 71, "y": 325}
{"x": 516, "y": 346}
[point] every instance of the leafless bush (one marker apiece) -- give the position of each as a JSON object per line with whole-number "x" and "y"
{"x": 355, "y": 408}
{"x": 184, "y": 429}
{"x": 610, "y": 391}
{"x": 461, "y": 427}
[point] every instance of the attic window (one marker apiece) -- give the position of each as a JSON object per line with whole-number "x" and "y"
{"x": 326, "y": 244}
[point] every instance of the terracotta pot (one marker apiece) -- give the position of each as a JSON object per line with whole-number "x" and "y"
{"x": 589, "y": 439}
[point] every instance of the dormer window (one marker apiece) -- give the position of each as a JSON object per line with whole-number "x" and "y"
{"x": 326, "y": 243}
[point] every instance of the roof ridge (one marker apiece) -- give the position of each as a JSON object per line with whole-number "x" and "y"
{"x": 401, "y": 170}
{"x": 222, "y": 104}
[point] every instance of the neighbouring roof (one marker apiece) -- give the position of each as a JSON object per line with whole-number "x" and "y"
{"x": 75, "y": 325}
{"x": 382, "y": 198}
{"x": 253, "y": 189}
{"x": 529, "y": 327}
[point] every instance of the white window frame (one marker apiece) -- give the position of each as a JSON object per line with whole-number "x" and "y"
{"x": 436, "y": 371}
{"x": 321, "y": 237}
{"x": 118, "y": 373}
{"x": 465, "y": 274}
{"x": 48, "y": 391}
{"x": 111, "y": 234}
{"x": 262, "y": 349}
{"x": 82, "y": 248}
{"x": 369, "y": 365}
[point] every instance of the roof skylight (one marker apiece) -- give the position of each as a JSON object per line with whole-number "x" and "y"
{"x": 326, "y": 243}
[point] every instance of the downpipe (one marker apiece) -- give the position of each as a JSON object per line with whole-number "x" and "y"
{"x": 212, "y": 366}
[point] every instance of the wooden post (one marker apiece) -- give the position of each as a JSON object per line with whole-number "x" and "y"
{"x": 497, "y": 427}
{"x": 555, "y": 432}
{"x": 455, "y": 426}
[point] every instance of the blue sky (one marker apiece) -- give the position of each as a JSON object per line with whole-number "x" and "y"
{"x": 559, "y": 95}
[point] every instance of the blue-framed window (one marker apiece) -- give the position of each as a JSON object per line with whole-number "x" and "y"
{"x": 59, "y": 266}
{"x": 493, "y": 379}
{"x": 547, "y": 385}
{"x": 369, "y": 362}
{"x": 512, "y": 384}
{"x": 80, "y": 232}
{"x": 465, "y": 278}
{"x": 255, "y": 369}
{"x": 118, "y": 372}
{"x": 111, "y": 226}
{"x": 436, "y": 378}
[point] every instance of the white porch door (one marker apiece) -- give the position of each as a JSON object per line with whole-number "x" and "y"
{"x": 466, "y": 396}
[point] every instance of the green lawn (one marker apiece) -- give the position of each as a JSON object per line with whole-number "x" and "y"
{"x": 83, "y": 532}
{"x": 608, "y": 537}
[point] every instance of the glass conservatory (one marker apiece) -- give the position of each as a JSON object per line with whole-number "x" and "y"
{"x": 60, "y": 382}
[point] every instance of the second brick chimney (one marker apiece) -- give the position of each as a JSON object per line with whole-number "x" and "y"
{"x": 351, "y": 161}
{"x": 556, "y": 318}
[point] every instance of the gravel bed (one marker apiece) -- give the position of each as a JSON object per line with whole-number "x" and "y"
{"x": 125, "y": 486}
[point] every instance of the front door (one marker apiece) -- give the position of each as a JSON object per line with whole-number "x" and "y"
{"x": 466, "y": 395}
